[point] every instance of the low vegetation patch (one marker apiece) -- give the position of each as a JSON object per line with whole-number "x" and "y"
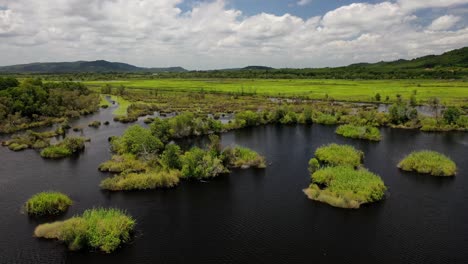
{"x": 103, "y": 229}
{"x": 123, "y": 163}
{"x": 345, "y": 187}
{"x": 360, "y": 132}
{"x": 143, "y": 181}
{"x": 429, "y": 162}
{"x": 95, "y": 124}
{"x": 240, "y": 157}
{"x": 47, "y": 203}
{"x": 337, "y": 155}
{"x": 65, "y": 148}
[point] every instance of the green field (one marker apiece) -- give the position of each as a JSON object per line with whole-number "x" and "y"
{"x": 450, "y": 92}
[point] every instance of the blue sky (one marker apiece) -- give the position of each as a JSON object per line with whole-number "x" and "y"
{"x": 280, "y": 7}
{"x": 210, "y": 34}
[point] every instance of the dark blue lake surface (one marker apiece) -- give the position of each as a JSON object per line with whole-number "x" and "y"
{"x": 252, "y": 216}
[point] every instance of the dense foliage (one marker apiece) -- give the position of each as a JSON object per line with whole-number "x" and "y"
{"x": 429, "y": 162}
{"x": 103, "y": 229}
{"x": 32, "y": 101}
{"x": 123, "y": 163}
{"x": 46, "y": 203}
{"x": 240, "y": 157}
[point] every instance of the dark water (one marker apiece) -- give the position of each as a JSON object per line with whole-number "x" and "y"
{"x": 252, "y": 216}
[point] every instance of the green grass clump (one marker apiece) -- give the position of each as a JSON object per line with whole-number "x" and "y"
{"x": 361, "y": 132}
{"x": 65, "y": 148}
{"x": 46, "y": 203}
{"x": 122, "y": 105}
{"x": 144, "y": 181}
{"x": 240, "y": 157}
{"x": 336, "y": 155}
{"x": 103, "y": 229}
{"x": 123, "y": 163}
{"x": 95, "y": 124}
{"x": 17, "y": 147}
{"x": 429, "y": 162}
{"x": 345, "y": 187}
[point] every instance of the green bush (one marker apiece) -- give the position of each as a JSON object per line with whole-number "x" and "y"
{"x": 429, "y": 162}
{"x": 240, "y": 157}
{"x": 138, "y": 141}
{"x": 170, "y": 158}
{"x": 123, "y": 163}
{"x": 47, "y": 203}
{"x": 144, "y": 181}
{"x": 103, "y": 229}
{"x": 345, "y": 187}
{"x": 95, "y": 124}
{"x": 361, "y": 132}
{"x": 336, "y": 155}
{"x": 200, "y": 164}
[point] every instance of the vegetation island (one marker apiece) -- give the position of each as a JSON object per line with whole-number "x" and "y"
{"x": 339, "y": 180}
{"x": 429, "y": 162}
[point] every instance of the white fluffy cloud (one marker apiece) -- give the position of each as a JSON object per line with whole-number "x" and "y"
{"x": 211, "y": 35}
{"x": 444, "y": 22}
{"x": 304, "y": 2}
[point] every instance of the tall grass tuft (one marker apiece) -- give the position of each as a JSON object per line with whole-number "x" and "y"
{"x": 103, "y": 229}
{"x": 47, "y": 203}
{"x": 240, "y": 157}
{"x": 143, "y": 181}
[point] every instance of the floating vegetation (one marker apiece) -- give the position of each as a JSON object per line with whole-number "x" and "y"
{"x": 47, "y": 203}
{"x": 360, "y": 132}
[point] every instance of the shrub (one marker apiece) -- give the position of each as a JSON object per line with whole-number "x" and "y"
{"x": 429, "y": 162}
{"x": 170, "y": 158}
{"x": 138, "y": 141}
{"x": 345, "y": 187}
{"x": 65, "y": 148}
{"x": 361, "y": 132}
{"x": 240, "y": 157}
{"x": 144, "y": 181}
{"x": 201, "y": 164}
{"x": 336, "y": 155}
{"x": 47, "y": 203}
{"x": 451, "y": 114}
{"x": 95, "y": 124}
{"x": 103, "y": 229}
{"x": 123, "y": 163}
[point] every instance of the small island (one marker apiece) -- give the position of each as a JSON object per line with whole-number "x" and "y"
{"x": 102, "y": 229}
{"x": 345, "y": 187}
{"x": 339, "y": 179}
{"x": 359, "y": 132}
{"x": 65, "y": 148}
{"x": 429, "y": 162}
{"x": 47, "y": 203}
{"x": 142, "y": 181}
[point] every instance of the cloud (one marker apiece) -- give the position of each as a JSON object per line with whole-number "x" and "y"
{"x": 213, "y": 35}
{"x": 444, "y": 22}
{"x": 424, "y": 4}
{"x": 304, "y": 2}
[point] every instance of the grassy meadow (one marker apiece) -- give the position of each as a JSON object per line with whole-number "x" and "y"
{"x": 449, "y": 92}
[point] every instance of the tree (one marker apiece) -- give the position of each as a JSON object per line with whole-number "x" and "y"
{"x": 121, "y": 90}
{"x": 170, "y": 158}
{"x": 137, "y": 140}
{"x": 413, "y": 101}
{"x": 434, "y": 103}
{"x": 378, "y": 97}
{"x": 452, "y": 114}
{"x": 106, "y": 89}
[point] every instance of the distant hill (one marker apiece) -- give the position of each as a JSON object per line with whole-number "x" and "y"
{"x": 99, "y": 66}
{"x": 454, "y": 58}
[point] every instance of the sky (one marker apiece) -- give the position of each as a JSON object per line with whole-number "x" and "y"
{"x": 214, "y": 34}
